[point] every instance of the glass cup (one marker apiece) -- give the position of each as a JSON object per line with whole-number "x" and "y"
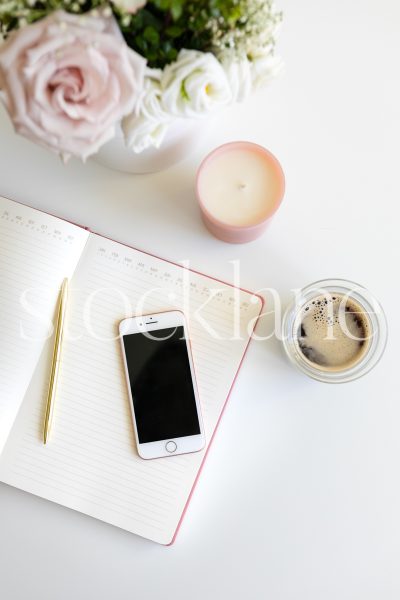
{"x": 334, "y": 331}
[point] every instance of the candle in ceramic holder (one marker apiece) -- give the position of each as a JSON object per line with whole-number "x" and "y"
{"x": 239, "y": 187}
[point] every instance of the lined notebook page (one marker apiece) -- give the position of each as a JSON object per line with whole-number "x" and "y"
{"x": 91, "y": 463}
{"x": 36, "y": 252}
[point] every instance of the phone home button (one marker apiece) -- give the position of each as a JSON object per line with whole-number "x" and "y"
{"x": 170, "y": 446}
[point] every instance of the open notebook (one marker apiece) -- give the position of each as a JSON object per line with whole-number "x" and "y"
{"x": 91, "y": 464}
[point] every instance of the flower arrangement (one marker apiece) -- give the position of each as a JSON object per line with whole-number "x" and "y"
{"x": 71, "y": 71}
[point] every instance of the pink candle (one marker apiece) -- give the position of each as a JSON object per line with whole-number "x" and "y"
{"x": 239, "y": 187}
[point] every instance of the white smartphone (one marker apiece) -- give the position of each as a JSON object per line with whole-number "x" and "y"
{"x": 162, "y": 384}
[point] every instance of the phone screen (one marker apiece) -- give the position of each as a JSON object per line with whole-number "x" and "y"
{"x": 161, "y": 384}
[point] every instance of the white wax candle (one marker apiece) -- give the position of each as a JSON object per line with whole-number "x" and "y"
{"x": 239, "y": 186}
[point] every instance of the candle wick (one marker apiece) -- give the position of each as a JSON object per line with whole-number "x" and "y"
{"x": 241, "y": 186}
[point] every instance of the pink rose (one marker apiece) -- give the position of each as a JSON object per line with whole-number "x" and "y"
{"x": 68, "y": 80}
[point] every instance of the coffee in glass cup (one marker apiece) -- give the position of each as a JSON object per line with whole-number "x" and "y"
{"x": 334, "y": 331}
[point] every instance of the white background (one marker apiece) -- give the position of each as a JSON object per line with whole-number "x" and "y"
{"x": 300, "y": 496}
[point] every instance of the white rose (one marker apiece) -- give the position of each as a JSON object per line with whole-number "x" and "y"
{"x": 264, "y": 68}
{"x": 194, "y": 85}
{"x": 239, "y": 74}
{"x": 148, "y": 124}
{"x": 129, "y": 6}
{"x": 150, "y": 103}
{"x": 144, "y": 133}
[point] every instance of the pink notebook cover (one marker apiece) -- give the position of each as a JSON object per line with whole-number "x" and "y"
{"x": 241, "y": 362}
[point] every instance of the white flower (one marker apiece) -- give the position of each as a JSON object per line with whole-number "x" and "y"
{"x": 129, "y": 6}
{"x": 144, "y": 133}
{"x": 239, "y": 74}
{"x": 194, "y": 85}
{"x": 151, "y": 103}
{"x": 264, "y": 68}
{"x": 148, "y": 124}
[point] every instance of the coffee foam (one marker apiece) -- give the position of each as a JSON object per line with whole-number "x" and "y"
{"x": 333, "y": 332}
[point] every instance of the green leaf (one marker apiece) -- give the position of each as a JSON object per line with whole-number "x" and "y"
{"x": 176, "y": 9}
{"x": 174, "y": 31}
{"x": 152, "y": 55}
{"x": 141, "y": 44}
{"x": 162, "y": 4}
{"x": 172, "y": 54}
{"x": 151, "y": 35}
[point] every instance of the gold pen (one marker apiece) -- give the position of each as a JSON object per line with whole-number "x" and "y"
{"x": 55, "y": 365}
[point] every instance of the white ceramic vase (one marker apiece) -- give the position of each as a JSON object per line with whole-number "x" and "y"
{"x": 181, "y": 139}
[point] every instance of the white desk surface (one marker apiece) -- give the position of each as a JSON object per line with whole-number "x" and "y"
{"x": 300, "y": 496}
